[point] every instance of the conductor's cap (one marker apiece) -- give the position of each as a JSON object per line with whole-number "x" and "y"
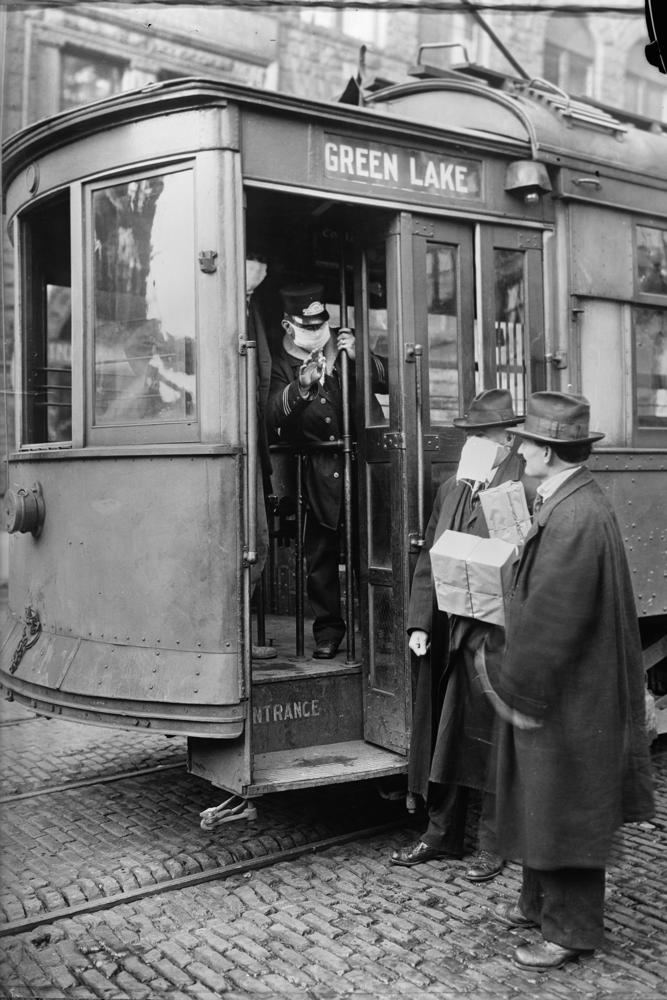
{"x": 304, "y": 304}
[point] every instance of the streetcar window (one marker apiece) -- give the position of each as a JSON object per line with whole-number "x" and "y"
{"x": 652, "y": 260}
{"x": 510, "y": 301}
{"x": 650, "y": 339}
{"x": 144, "y": 301}
{"x": 47, "y": 414}
{"x": 443, "y": 329}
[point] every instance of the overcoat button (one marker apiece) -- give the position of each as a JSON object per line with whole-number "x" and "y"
{"x": 336, "y": 475}
{"x": 332, "y": 437}
{"x": 322, "y": 400}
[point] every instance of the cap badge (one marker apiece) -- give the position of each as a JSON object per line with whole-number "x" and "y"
{"x": 314, "y": 309}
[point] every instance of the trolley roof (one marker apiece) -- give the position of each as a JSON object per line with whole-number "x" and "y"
{"x": 532, "y": 120}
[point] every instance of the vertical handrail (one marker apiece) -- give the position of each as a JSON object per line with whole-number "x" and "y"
{"x": 248, "y": 348}
{"x": 347, "y": 470}
{"x": 300, "y": 576}
{"x": 416, "y": 353}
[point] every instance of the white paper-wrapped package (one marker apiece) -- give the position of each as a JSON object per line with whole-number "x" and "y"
{"x": 506, "y": 512}
{"x": 472, "y": 575}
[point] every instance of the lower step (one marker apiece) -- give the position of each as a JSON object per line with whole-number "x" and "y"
{"x": 336, "y": 763}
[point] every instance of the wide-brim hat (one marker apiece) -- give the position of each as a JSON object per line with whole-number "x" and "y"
{"x": 304, "y": 304}
{"x": 490, "y": 408}
{"x": 558, "y": 418}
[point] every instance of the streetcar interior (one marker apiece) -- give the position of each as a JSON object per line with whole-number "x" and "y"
{"x": 307, "y": 240}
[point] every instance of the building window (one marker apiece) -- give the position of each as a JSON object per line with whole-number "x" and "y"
{"x": 645, "y": 90}
{"x": 88, "y": 76}
{"x": 363, "y": 25}
{"x": 567, "y": 55}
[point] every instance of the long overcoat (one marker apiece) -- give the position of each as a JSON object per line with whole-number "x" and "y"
{"x": 452, "y": 718}
{"x": 572, "y": 661}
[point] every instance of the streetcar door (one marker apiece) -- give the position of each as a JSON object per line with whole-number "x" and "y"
{"x": 477, "y": 322}
{"x": 404, "y": 279}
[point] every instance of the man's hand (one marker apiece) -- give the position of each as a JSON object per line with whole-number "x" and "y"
{"x": 345, "y": 341}
{"x": 419, "y": 642}
{"x": 312, "y": 370}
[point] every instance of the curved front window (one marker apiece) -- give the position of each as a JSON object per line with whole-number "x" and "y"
{"x": 145, "y": 347}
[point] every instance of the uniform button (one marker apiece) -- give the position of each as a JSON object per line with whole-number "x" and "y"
{"x": 332, "y": 437}
{"x": 327, "y": 420}
{"x": 336, "y": 475}
{"x": 322, "y": 400}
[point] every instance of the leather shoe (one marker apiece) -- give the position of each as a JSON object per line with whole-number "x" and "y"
{"x": 484, "y": 866}
{"x": 544, "y": 955}
{"x": 326, "y": 649}
{"x": 510, "y": 915}
{"x": 418, "y": 853}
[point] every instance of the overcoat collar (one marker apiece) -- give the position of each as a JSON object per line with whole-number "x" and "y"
{"x": 582, "y": 477}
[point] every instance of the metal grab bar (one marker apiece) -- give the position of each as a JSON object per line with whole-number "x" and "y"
{"x": 249, "y": 348}
{"x": 347, "y": 468}
{"x": 415, "y": 353}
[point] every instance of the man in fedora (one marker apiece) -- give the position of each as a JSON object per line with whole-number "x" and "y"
{"x": 573, "y": 761}
{"x": 452, "y": 717}
{"x": 306, "y": 406}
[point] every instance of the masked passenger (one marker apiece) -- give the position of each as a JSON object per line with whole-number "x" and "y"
{"x": 453, "y": 718}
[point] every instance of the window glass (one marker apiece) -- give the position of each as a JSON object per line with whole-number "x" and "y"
{"x": 645, "y": 90}
{"x": 47, "y": 413}
{"x": 144, "y": 301}
{"x": 650, "y": 339}
{"x": 380, "y": 514}
{"x": 443, "y": 325}
{"x": 652, "y": 260}
{"x": 88, "y": 77}
{"x": 510, "y": 292}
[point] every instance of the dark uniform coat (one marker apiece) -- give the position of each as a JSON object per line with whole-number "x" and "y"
{"x": 573, "y": 661}
{"x": 312, "y": 420}
{"x": 452, "y": 718}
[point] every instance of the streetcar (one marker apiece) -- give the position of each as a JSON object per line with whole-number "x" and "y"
{"x": 472, "y": 231}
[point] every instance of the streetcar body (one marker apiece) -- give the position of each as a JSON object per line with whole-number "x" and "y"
{"x": 471, "y": 237}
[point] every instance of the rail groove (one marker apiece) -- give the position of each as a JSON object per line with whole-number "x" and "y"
{"x": 118, "y": 776}
{"x": 185, "y": 881}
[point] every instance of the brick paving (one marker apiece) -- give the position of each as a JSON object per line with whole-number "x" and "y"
{"x": 342, "y": 922}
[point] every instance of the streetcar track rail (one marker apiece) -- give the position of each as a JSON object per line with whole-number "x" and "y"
{"x": 86, "y": 782}
{"x": 245, "y": 867}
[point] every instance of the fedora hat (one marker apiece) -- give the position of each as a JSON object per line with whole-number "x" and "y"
{"x": 304, "y": 304}
{"x": 490, "y": 408}
{"x": 557, "y": 418}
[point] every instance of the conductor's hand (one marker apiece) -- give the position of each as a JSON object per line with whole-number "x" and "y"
{"x": 312, "y": 369}
{"x": 345, "y": 341}
{"x": 418, "y": 642}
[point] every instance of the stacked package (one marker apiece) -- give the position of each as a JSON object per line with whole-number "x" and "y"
{"x": 473, "y": 575}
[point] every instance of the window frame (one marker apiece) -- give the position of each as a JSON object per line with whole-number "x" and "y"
{"x": 187, "y": 430}
{"x": 645, "y": 437}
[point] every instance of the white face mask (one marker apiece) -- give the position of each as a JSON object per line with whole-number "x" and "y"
{"x": 309, "y": 339}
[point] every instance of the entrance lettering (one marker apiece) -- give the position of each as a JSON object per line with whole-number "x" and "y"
{"x": 285, "y": 712}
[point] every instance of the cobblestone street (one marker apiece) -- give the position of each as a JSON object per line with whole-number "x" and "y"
{"x": 334, "y": 921}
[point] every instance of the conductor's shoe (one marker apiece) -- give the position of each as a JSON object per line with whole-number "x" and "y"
{"x": 418, "y": 854}
{"x": 263, "y": 652}
{"x": 484, "y": 866}
{"x": 510, "y": 915}
{"x": 326, "y": 649}
{"x": 544, "y": 955}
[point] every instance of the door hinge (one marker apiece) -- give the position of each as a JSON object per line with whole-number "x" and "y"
{"x": 393, "y": 440}
{"x": 557, "y": 360}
